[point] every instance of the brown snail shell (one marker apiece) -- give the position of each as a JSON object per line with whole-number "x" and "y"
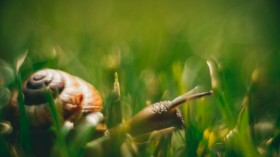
{"x": 72, "y": 96}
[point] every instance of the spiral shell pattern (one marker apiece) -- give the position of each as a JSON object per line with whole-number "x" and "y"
{"x": 72, "y": 95}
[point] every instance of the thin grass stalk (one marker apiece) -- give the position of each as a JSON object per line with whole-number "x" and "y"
{"x": 114, "y": 109}
{"x": 24, "y": 124}
{"x": 243, "y": 126}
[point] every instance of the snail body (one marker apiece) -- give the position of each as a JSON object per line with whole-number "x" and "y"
{"x": 72, "y": 95}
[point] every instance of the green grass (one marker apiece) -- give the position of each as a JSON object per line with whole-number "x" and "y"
{"x": 159, "y": 51}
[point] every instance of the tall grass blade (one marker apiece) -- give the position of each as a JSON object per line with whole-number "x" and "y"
{"x": 114, "y": 107}
{"x": 24, "y": 124}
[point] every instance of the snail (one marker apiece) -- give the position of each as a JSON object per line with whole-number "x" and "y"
{"x": 71, "y": 94}
{"x": 75, "y": 98}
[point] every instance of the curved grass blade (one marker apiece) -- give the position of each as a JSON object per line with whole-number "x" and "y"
{"x": 21, "y": 60}
{"x": 84, "y": 133}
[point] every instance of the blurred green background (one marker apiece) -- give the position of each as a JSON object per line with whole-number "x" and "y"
{"x": 158, "y": 48}
{"x": 146, "y": 39}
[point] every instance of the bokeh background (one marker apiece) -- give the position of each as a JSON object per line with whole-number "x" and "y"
{"x": 158, "y": 48}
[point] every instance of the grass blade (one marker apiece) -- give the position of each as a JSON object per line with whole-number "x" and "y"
{"x": 217, "y": 88}
{"x": 24, "y": 124}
